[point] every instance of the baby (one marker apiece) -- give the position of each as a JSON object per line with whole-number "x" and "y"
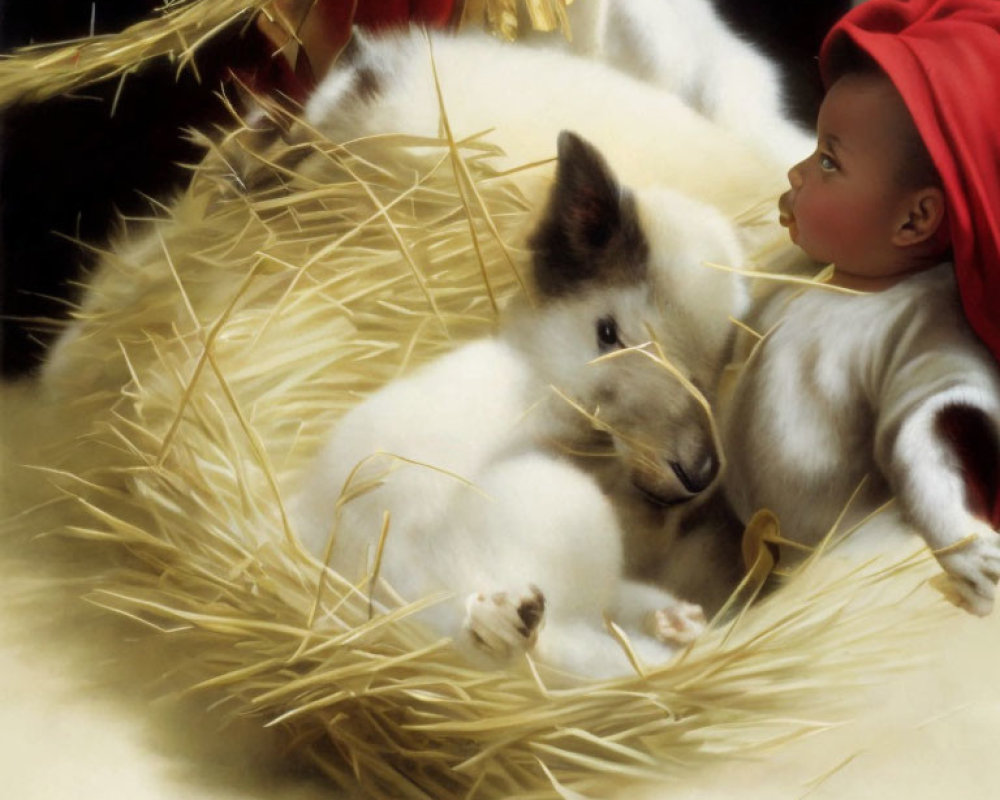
{"x": 877, "y": 385}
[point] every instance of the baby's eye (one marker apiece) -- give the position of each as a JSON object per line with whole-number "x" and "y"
{"x": 826, "y": 163}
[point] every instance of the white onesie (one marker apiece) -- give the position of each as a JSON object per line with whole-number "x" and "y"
{"x": 889, "y": 390}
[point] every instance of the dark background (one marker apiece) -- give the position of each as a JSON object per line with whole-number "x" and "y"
{"x": 67, "y": 166}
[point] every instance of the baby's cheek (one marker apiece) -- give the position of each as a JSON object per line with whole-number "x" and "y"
{"x": 821, "y": 227}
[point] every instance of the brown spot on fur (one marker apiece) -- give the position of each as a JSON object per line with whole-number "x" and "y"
{"x": 366, "y": 84}
{"x": 607, "y": 393}
{"x": 261, "y": 157}
{"x": 531, "y": 612}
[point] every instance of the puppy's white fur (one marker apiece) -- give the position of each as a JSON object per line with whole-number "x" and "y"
{"x": 535, "y": 522}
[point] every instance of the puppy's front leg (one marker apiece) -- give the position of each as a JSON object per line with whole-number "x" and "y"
{"x": 502, "y": 625}
{"x": 654, "y": 612}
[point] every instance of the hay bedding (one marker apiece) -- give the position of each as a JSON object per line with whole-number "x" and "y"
{"x": 216, "y": 347}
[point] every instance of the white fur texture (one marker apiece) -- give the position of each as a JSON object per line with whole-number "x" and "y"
{"x": 685, "y": 47}
{"x": 525, "y": 95}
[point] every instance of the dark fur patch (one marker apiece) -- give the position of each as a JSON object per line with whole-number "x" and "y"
{"x": 973, "y": 440}
{"x": 590, "y": 230}
{"x": 283, "y": 150}
{"x": 531, "y": 611}
{"x": 366, "y": 84}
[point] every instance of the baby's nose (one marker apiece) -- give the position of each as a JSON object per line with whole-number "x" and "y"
{"x": 795, "y": 176}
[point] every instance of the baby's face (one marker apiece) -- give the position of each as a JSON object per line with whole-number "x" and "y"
{"x": 845, "y": 201}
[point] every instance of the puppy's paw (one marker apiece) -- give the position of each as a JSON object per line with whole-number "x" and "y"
{"x": 504, "y": 624}
{"x": 974, "y": 569}
{"x": 679, "y": 624}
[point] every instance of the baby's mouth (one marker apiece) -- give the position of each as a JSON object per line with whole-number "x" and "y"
{"x": 785, "y": 216}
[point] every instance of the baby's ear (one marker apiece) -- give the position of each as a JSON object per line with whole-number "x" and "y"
{"x": 588, "y": 221}
{"x": 924, "y": 217}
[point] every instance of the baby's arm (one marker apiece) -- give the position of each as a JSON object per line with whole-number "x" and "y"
{"x": 937, "y": 443}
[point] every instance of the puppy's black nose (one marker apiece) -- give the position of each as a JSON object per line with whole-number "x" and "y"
{"x": 697, "y": 479}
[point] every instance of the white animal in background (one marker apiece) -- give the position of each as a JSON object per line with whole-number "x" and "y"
{"x": 657, "y": 133}
{"x": 522, "y": 96}
{"x": 686, "y": 48}
{"x": 487, "y": 460}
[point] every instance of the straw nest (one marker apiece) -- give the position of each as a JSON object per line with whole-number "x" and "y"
{"x": 211, "y": 353}
{"x": 183, "y": 26}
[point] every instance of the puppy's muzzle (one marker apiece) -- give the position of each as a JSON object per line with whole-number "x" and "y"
{"x": 677, "y": 483}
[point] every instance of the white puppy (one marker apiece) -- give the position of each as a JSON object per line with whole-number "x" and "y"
{"x": 484, "y": 461}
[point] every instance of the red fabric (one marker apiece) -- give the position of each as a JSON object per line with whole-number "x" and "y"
{"x": 944, "y": 58}
{"x": 327, "y": 27}
{"x": 385, "y": 13}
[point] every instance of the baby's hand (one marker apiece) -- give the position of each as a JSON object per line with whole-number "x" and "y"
{"x": 974, "y": 568}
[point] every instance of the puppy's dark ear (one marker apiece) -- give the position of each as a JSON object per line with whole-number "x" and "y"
{"x": 589, "y": 229}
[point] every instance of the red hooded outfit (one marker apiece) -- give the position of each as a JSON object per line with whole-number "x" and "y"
{"x": 943, "y": 56}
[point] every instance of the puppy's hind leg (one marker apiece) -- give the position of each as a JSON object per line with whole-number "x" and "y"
{"x": 538, "y": 535}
